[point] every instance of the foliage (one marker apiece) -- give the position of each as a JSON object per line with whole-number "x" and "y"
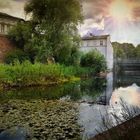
{"x": 20, "y": 34}
{"x": 137, "y": 51}
{"x": 16, "y": 55}
{"x": 68, "y": 56}
{"x": 26, "y": 73}
{"x": 51, "y": 32}
{"x": 94, "y": 60}
{"x": 118, "y": 51}
{"x": 126, "y": 50}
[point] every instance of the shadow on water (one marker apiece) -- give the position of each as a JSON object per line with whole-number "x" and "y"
{"x": 81, "y": 90}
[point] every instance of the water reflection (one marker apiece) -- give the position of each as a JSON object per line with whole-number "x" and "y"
{"x": 130, "y": 95}
{"x": 85, "y": 90}
{"x": 90, "y": 116}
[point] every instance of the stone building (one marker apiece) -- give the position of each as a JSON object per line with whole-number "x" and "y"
{"x": 102, "y": 44}
{"x": 7, "y": 21}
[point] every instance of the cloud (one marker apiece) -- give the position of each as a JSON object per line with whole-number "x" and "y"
{"x": 96, "y": 8}
{"x": 98, "y": 20}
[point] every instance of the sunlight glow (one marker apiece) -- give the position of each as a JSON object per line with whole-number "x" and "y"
{"x": 120, "y": 10}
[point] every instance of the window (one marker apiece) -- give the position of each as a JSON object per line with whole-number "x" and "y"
{"x": 2, "y": 28}
{"x": 101, "y": 42}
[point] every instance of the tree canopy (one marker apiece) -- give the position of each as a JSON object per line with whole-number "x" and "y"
{"x": 55, "y": 24}
{"x": 126, "y": 50}
{"x": 51, "y": 31}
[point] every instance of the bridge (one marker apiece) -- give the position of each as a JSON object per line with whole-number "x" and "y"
{"x": 128, "y": 64}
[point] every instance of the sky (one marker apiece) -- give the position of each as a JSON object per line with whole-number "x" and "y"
{"x": 119, "y": 18}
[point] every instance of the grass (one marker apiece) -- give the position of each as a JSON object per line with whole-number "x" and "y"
{"x": 27, "y": 74}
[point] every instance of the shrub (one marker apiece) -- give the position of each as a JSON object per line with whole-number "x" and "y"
{"x": 94, "y": 60}
{"x": 26, "y": 73}
{"x": 16, "y": 55}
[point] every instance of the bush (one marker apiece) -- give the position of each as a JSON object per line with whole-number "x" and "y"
{"x": 26, "y": 73}
{"x": 16, "y": 55}
{"x": 95, "y": 60}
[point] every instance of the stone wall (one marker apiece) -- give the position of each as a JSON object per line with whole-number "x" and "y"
{"x": 5, "y": 47}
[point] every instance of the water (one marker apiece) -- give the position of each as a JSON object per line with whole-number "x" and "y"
{"x": 122, "y": 88}
{"x": 81, "y": 91}
{"x": 95, "y": 96}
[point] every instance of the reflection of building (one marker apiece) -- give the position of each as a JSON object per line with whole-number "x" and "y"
{"x": 6, "y": 22}
{"x": 102, "y": 44}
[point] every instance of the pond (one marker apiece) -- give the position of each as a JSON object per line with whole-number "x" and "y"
{"x": 120, "y": 86}
{"x": 94, "y": 97}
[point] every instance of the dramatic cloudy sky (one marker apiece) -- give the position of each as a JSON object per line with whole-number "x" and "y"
{"x": 119, "y": 18}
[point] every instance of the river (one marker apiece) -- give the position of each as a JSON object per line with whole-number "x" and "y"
{"x": 95, "y": 97}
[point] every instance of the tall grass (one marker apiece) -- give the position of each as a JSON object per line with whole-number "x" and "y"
{"x": 27, "y": 74}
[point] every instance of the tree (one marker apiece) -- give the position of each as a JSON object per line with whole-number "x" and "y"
{"x": 51, "y": 31}
{"x": 22, "y": 36}
{"x": 137, "y": 51}
{"x": 55, "y": 24}
{"x": 95, "y": 60}
{"x": 124, "y": 50}
{"x": 129, "y": 50}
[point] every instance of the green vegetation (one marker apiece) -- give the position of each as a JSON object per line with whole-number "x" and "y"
{"x": 95, "y": 60}
{"x": 126, "y": 50}
{"x": 50, "y": 44}
{"x": 51, "y": 32}
{"x": 19, "y": 55}
{"x": 27, "y": 74}
{"x": 21, "y": 72}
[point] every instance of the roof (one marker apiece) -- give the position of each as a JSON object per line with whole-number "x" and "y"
{"x": 9, "y": 16}
{"x": 95, "y": 37}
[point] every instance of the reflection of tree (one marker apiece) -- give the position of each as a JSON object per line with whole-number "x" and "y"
{"x": 93, "y": 87}
{"x": 90, "y": 87}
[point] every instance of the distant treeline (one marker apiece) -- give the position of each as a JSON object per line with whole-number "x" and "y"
{"x": 126, "y": 50}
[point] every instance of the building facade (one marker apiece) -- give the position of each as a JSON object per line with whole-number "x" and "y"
{"x": 102, "y": 44}
{"x": 7, "y": 22}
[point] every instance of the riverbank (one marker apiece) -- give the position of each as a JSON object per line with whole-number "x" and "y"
{"x": 27, "y": 74}
{"x": 41, "y": 119}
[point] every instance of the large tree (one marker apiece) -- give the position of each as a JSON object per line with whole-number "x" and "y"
{"x": 54, "y": 24}
{"x": 51, "y": 31}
